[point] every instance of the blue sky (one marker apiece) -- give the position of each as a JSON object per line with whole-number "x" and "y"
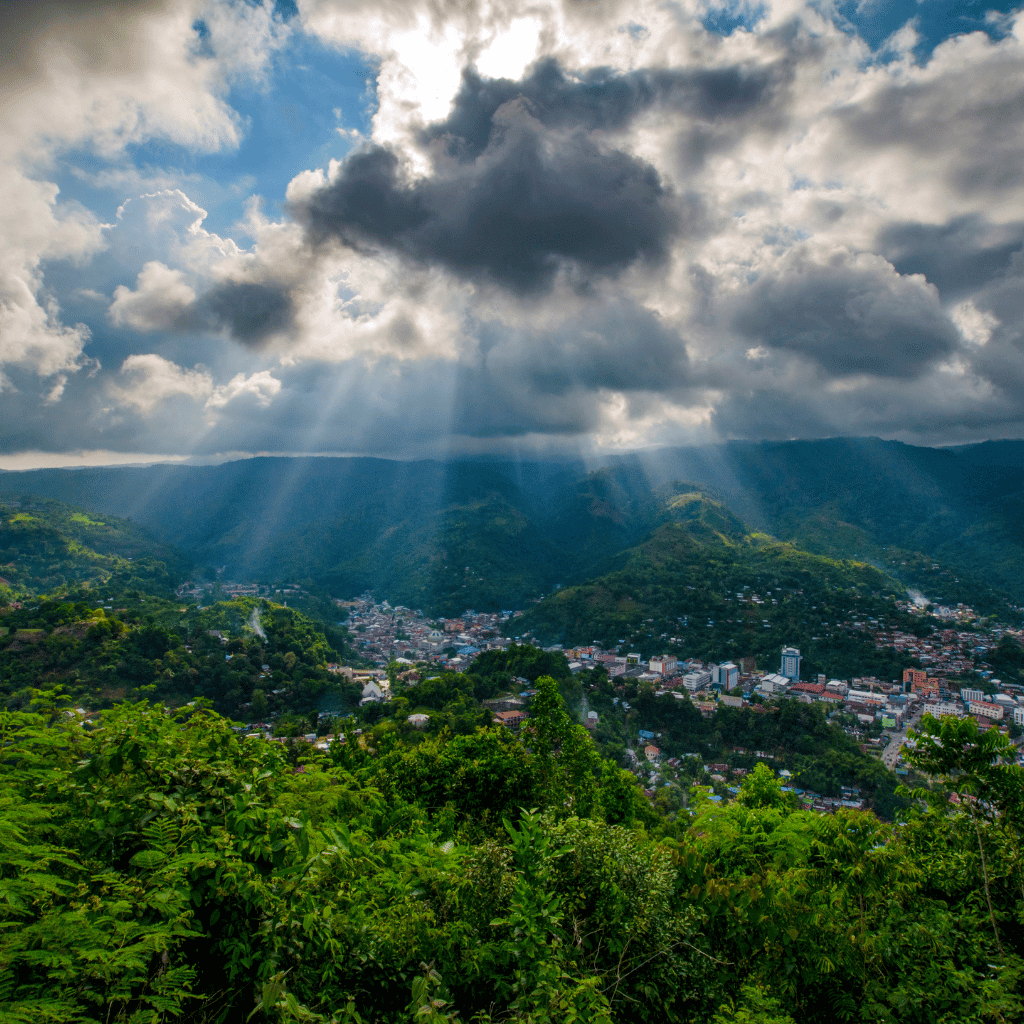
{"x": 236, "y": 227}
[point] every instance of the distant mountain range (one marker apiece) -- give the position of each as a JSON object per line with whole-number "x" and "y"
{"x": 490, "y": 534}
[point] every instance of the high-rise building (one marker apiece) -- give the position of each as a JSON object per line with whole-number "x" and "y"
{"x": 728, "y": 675}
{"x": 790, "y": 663}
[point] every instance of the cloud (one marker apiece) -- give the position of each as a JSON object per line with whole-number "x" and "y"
{"x": 849, "y": 315}
{"x": 957, "y": 256}
{"x": 649, "y": 232}
{"x": 158, "y": 301}
{"x": 100, "y": 75}
{"x": 599, "y": 99}
{"x": 151, "y": 380}
{"x": 532, "y": 204}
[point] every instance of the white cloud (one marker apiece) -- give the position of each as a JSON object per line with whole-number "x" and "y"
{"x": 975, "y": 325}
{"x": 150, "y": 381}
{"x": 101, "y": 77}
{"x": 260, "y": 388}
{"x": 161, "y": 296}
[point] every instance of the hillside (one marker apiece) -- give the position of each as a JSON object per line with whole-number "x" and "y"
{"x": 701, "y": 586}
{"x": 47, "y": 547}
{"x": 493, "y": 534}
{"x": 267, "y": 659}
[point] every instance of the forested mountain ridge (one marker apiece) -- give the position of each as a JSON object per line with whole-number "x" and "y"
{"x": 701, "y": 586}
{"x": 491, "y": 534}
{"x": 46, "y": 547}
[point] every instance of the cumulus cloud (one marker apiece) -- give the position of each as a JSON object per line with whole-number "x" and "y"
{"x": 849, "y": 315}
{"x": 160, "y": 297}
{"x": 150, "y": 380}
{"x": 592, "y": 224}
{"x": 529, "y": 206}
{"x": 96, "y": 74}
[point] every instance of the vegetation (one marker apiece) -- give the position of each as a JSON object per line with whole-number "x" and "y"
{"x": 46, "y": 547}
{"x": 158, "y": 866}
{"x": 266, "y": 658}
{"x": 695, "y": 589}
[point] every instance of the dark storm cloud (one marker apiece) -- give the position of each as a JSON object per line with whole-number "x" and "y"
{"x": 250, "y": 311}
{"x": 957, "y": 257}
{"x": 599, "y": 99}
{"x": 532, "y": 203}
{"x": 848, "y": 319}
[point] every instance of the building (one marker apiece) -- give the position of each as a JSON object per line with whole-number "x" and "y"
{"x": 665, "y": 665}
{"x": 790, "y": 663}
{"x": 986, "y": 710}
{"x": 651, "y": 752}
{"x": 728, "y": 675}
{"x": 512, "y": 720}
{"x": 773, "y": 683}
{"x": 1018, "y": 715}
{"x": 967, "y": 695}
{"x": 695, "y": 681}
{"x": 914, "y": 676}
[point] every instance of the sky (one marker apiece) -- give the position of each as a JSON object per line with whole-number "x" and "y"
{"x": 425, "y": 228}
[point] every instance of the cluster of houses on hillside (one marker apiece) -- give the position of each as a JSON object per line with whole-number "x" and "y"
{"x": 384, "y": 633}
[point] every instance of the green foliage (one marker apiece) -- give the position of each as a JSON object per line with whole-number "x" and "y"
{"x": 678, "y": 591}
{"x": 47, "y": 547}
{"x": 156, "y": 866}
{"x": 152, "y": 646}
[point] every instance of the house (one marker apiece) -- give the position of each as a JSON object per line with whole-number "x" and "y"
{"x": 652, "y": 753}
{"x": 418, "y": 721}
{"x": 371, "y": 692}
{"x": 512, "y": 720}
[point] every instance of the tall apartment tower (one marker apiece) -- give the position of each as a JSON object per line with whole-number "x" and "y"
{"x": 790, "y": 663}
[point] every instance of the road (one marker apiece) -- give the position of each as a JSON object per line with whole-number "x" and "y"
{"x": 892, "y": 751}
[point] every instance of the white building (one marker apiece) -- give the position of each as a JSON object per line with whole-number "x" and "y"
{"x": 773, "y": 683}
{"x": 694, "y": 681}
{"x": 967, "y": 695}
{"x": 790, "y": 663}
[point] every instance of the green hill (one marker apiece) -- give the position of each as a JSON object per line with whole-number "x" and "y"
{"x": 490, "y": 534}
{"x": 701, "y": 586}
{"x": 47, "y": 547}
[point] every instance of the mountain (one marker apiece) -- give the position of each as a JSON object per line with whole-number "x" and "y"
{"x": 47, "y": 547}
{"x": 492, "y": 534}
{"x": 902, "y": 507}
{"x": 701, "y": 586}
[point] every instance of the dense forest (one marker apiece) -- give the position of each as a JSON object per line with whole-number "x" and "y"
{"x": 157, "y": 865}
{"x": 491, "y": 534}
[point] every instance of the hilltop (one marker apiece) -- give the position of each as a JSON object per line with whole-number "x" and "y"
{"x": 702, "y": 586}
{"x": 491, "y": 534}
